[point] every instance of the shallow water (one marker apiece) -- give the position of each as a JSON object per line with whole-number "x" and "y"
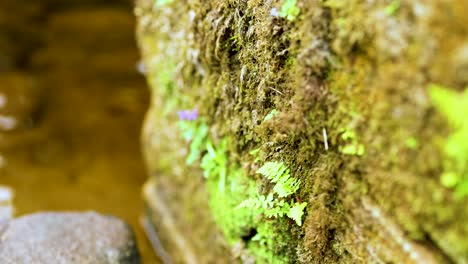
{"x": 75, "y": 141}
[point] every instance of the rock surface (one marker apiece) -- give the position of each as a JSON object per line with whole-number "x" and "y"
{"x": 67, "y": 238}
{"x": 344, "y": 94}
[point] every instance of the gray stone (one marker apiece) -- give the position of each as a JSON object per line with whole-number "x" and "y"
{"x": 68, "y": 238}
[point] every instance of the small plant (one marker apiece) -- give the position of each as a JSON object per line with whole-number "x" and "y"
{"x": 454, "y": 107}
{"x": 278, "y": 173}
{"x": 285, "y": 185}
{"x": 270, "y": 115}
{"x": 230, "y": 191}
{"x": 392, "y": 8}
{"x": 412, "y": 143}
{"x": 162, "y": 2}
{"x": 214, "y": 163}
{"x": 289, "y": 10}
{"x": 352, "y": 147}
{"x": 194, "y": 131}
{"x": 256, "y": 154}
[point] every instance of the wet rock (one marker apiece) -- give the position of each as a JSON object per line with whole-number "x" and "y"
{"x": 67, "y": 238}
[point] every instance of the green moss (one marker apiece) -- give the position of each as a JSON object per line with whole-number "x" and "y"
{"x": 235, "y": 224}
{"x": 229, "y": 189}
{"x": 343, "y": 68}
{"x": 454, "y": 107}
{"x": 269, "y": 237}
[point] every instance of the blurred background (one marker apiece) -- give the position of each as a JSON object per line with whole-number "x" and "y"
{"x": 71, "y": 107}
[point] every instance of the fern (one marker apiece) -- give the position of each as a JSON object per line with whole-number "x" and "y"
{"x": 278, "y": 173}
{"x": 296, "y": 211}
{"x": 275, "y": 208}
{"x": 285, "y": 185}
{"x": 259, "y": 202}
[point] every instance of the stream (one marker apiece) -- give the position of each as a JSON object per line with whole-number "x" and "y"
{"x": 71, "y": 107}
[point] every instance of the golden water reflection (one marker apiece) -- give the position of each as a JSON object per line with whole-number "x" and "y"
{"x": 70, "y": 121}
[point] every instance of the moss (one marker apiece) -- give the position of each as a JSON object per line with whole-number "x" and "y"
{"x": 454, "y": 106}
{"x": 269, "y": 87}
{"x": 228, "y": 189}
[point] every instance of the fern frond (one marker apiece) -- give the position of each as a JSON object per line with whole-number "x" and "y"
{"x": 296, "y": 211}
{"x": 259, "y": 202}
{"x": 285, "y": 185}
{"x": 278, "y": 173}
{"x": 279, "y": 210}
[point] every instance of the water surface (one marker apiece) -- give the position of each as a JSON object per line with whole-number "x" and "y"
{"x": 75, "y": 144}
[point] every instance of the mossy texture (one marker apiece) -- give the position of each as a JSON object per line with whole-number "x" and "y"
{"x": 336, "y": 91}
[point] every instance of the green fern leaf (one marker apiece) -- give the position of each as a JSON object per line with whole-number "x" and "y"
{"x": 278, "y": 173}
{"x": 296, "y": 211}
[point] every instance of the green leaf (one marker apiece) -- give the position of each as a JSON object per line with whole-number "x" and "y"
{"x": 453, "y": 105}
{"x": 353, "y": 149}
{"x": 289, "y": 10}
{"x": 270, "y": 115}
{"x": 449, "y": 179}
{"x": 254, "y": 152}
{"x": 296, "y": 212}
{"x": 412, "y": 143}
{"x": 278, "y": 173}
{"x": 392, "y": 8}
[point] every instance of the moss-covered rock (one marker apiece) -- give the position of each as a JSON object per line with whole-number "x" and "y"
{"x": 336, "y": 91}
